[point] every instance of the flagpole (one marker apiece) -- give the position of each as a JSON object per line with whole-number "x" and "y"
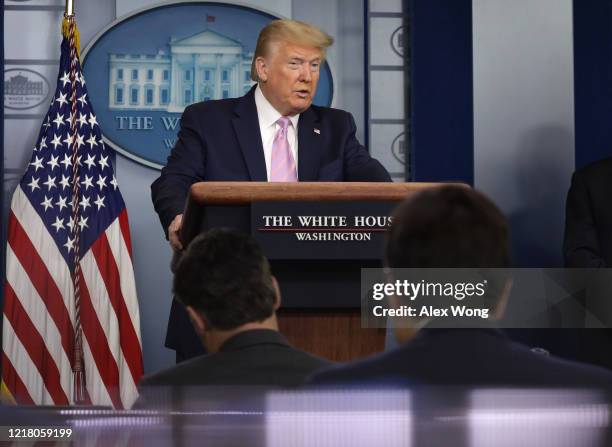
{"x": 69, "y": 8}
{"x": 79, "y": 366}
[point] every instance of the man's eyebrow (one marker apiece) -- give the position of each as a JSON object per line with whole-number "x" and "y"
{"x": 301, "y": 59}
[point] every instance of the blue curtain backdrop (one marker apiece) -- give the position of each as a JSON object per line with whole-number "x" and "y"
{"x": 593, "y": 80}
{"x": 442, "y": 109}
{"x": 442, "y": 92}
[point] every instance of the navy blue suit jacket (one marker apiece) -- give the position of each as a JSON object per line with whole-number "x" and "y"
{"x": 464, "y": 357}
{"x": 220, "y": 141}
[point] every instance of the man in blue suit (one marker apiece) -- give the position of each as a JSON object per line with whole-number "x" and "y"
{"x": 456, "y": 227}
{"x": 273, "y": 133}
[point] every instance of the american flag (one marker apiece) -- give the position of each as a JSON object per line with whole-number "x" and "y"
{"x": 69, "y": 264}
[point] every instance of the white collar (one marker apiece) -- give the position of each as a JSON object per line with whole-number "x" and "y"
{"x": 268, "y": 115}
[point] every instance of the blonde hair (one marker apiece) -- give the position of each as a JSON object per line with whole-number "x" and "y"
{"x": 293, "y": 31}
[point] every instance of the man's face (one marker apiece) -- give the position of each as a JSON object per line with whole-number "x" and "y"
{"x": 289, "y": 76}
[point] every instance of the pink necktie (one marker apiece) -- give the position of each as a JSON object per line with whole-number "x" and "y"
{"x": 283, "y": 164}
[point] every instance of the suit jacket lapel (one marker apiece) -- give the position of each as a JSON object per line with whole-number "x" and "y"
{"x": 246, "y": 126}
{"x": 309, "y": 146}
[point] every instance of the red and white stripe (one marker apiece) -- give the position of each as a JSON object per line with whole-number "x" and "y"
{"x": 38, "y": 329}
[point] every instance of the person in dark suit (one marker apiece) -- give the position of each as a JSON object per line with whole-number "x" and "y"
{"x": 273, "y": 133}
{"x": 588, "y": 217}
{"x": 230, "y": 295}
{"x": 454, "y": 227}
{"x": 588, "y": 244}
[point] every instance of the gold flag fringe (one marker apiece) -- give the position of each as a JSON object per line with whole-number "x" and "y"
{"x": 66, "y": 34}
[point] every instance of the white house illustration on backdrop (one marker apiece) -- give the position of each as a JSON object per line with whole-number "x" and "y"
{"x": 207, "y": 65}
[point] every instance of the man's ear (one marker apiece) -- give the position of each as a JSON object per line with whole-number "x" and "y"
{"x": 404, "y": 334}
{"x": 277, "y": 294}
{"x": 388, "y": 272}
{"x": 262, "y": 69}
{"x": 500, "y": 309}
{"x": 197, "y": 320}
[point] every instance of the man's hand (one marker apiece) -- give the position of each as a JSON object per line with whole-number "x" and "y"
{"x": 174, "y": 232}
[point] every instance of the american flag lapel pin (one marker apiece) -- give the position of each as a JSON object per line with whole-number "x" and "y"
{"x": 317, "y": 131}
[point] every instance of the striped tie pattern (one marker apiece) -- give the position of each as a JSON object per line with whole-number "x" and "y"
{"x": 283, "y": 164}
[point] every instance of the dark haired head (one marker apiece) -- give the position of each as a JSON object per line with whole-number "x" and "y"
{"x": 226, "y": 278}
{"x": 448, "y": 227}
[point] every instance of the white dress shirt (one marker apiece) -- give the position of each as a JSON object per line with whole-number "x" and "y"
{"x": 268, "y": 116}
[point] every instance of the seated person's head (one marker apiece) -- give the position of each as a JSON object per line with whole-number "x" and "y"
{"x": 224, "y": 280}
{"x": 450, "y": 227}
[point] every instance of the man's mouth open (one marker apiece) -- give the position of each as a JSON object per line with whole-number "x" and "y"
{"x": 302, "y": 93}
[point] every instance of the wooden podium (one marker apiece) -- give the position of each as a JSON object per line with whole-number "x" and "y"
{"x": 319, "y": 279}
